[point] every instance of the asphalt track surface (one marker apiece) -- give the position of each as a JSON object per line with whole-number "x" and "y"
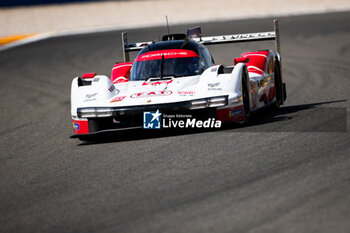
{"x": 283, "y": 172}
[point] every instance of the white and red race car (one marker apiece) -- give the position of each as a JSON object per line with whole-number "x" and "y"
{"x": 178, "y": 75}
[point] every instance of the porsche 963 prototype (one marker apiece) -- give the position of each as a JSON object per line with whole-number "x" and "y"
{"x": 178, "y": 74}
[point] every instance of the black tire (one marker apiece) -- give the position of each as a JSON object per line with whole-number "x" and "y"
{"x": 278, "y": 84}
{"x": 94, "y": 125}
{"x": 98, "y": 124}
{"x": 245, "y": 95}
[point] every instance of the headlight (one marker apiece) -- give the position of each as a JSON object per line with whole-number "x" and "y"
{"x": 95, "y": 112}
{"x": 209, "y": 102}
{"x": 218, "y": 101}
{"x": 87, "y": 112}
{"x": 198, "y": 104}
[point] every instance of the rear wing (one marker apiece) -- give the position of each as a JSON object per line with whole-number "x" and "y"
{"x": 235, "y": 38}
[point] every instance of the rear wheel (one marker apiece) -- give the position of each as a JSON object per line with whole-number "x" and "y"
{"x": 278, "y": 85}
{"x": 245, "y": 95}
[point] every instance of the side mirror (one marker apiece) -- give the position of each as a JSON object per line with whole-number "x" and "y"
{"x": 240, "y": 60}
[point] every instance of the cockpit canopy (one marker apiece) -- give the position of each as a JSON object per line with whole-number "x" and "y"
{"x": 177, "y": 58}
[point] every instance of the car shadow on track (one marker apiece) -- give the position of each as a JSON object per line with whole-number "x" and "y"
{"x": 314, "y": 117}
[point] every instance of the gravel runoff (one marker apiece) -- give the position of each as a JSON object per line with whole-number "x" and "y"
{"x": 109, "y": 15}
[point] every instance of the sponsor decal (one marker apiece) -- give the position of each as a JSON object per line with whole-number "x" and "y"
{"x": 168, "y": 54}
{"x": 236, "y": 112}
{"x": 117, "y": 99}
{"x": 186, "y": 93}
{"x": 88, "y": 96}
{"x": 155, "y": 120}
{"x": 214, "y": 87}
{"x": 151, "y": 120}
{"x": 76, "y": 126}
{"x": 156, "y": 83}
{"x": 89, "y": 100}
{"x": 80, "y": 126}
{"x": 213, "y": 84}
{"x": 111, "y": 88}
{"x": 149, "y": 56}
{"x": 151, "y": 94}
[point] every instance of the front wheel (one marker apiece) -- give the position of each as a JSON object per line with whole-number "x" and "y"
{"x": 98, "y": 124}
{"x": 94, "y": 125}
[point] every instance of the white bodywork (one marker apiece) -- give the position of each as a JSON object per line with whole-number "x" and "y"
{"x": 232, "y": 92}
{"x": 103, "y": 93}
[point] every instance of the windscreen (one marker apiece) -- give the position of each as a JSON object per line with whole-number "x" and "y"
{"x": 164, "y": 63}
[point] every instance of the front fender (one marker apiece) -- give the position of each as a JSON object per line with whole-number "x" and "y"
{"x": 98, "y": 89}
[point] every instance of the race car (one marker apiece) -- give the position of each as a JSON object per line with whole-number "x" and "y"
{"x": 178, "y": 75}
